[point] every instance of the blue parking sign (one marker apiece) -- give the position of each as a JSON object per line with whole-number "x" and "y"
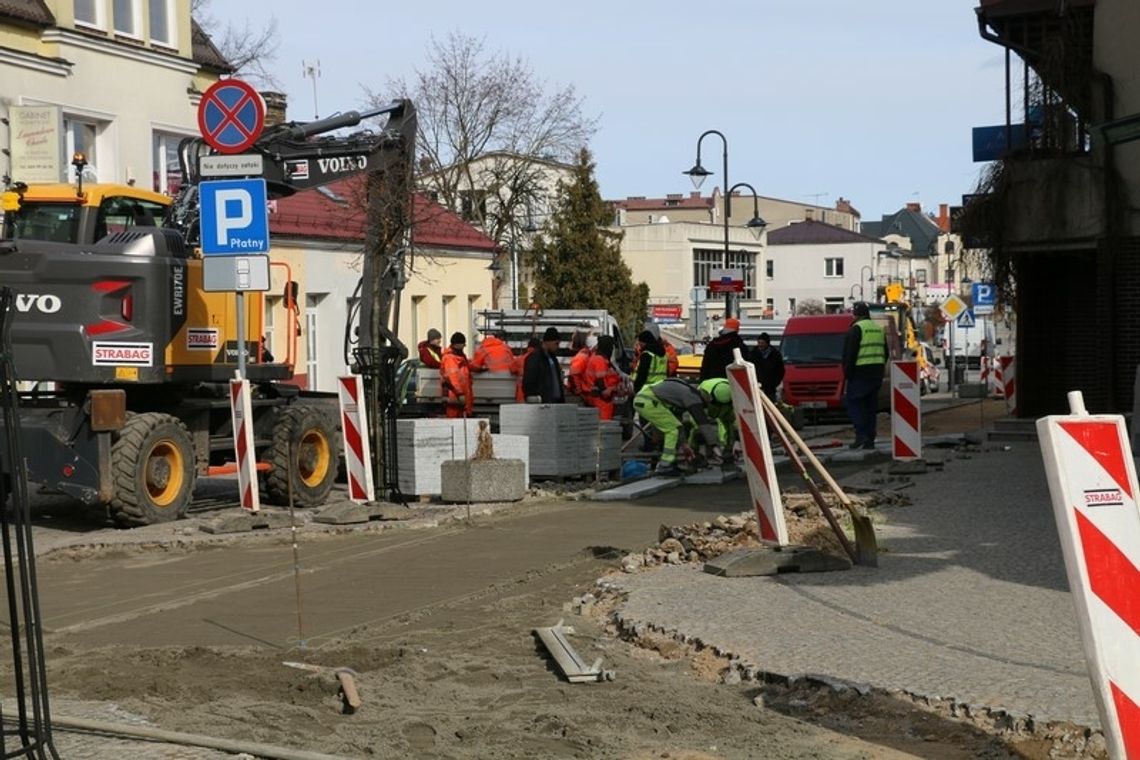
{"x": 233, "y": 217}
{"x": 985, "y": 294}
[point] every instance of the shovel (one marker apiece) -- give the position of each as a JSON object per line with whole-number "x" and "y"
{"x": 865, "y": 541}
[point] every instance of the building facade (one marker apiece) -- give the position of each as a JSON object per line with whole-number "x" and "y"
{"x": 117, "y": 80}
{"x": 819, "y": 262}
{"x": 694, "y": 207}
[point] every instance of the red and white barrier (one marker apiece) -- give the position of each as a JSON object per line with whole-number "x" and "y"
{"x": 357, "y": 450}
{"x": 758, "y": 464}
{"x": 241, "y": 413}
{"x": 906, "y": 412}
{"x": 999, "y": 379}
{"x": 1009, "y": 382}
{"x": 986, "y": 375}
{"x": 1092, "y": 479}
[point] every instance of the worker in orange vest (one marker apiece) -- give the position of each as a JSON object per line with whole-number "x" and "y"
{"x": 601, "y": 380}
{"x": 455, "y": 379}
{"x": 533, "y": 345}
{"x": 575, "y": 377}
{"x": 493, "y": 355}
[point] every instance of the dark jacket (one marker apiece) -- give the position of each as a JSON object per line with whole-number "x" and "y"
{"x": 542, "y": 376}
{"x": 769, "y": 369}
{"x": 718, "y": 354}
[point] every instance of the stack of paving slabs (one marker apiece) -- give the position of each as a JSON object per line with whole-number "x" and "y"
{"x": 563, "y": 437}
{"x": 422, "y": 446}
{"x": 610, "y": 457}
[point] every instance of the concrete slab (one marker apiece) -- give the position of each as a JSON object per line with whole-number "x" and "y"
{"x": 342, "y": 513}
{"x": 240, "y": 521}
{"x": 916, "y": 467}
{"x": 774, "y": 560}
{"x": 636, "y": 489}
{"x": 483, "y": 480}
{"x": 711, "y": 477}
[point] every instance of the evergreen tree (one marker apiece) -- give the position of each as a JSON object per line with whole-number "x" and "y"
{"x": 577, "y": 262}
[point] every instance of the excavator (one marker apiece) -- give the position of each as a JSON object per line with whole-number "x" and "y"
{"x": 895, "y": 308}
{"x": 123, "y": 356}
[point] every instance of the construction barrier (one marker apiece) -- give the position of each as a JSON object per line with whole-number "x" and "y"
{"x": 986, "y": 375}
{"x": 906, "y": 412}
{"x": 758, "y": 464}
{"x": 999, "y": 379}
{"x": 1009, "y": 382}
{"x": 357, "y": 451}
{"x": 1092, "y": 480}
{"x": 241, "y": 412}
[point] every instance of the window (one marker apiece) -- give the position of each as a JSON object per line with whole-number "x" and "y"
{"x": 161, "y": 22}
{"x": 833, "y": 267}
{"x": 81, "y": 138}
{"x": 833, "y": 305}
{"x": 418, "y": 331}
{"x": 770, "y": 268}
{"x": 126, "y": 17}
{"x": 167, "y": 177}
{"x": 769, "y": 308}
{"x": 706, "y": 259}
{"x": 920, "y": 275}
{"x": 791, "y": 306}
{"x": 949, "y": 247}
{"x": 269, "y": 323}
{"x": 473, "y": 205}
{"x": 472, "y": 307}
{"x": 311, "y": 342}
{"x": 87, "y": 13}
{"x": 120, "y": 213}
{"x": 445, "y": 302}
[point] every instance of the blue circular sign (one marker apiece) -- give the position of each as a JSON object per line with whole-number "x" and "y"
{"x": 231, "y": 116}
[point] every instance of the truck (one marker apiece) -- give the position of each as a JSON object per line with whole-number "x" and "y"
{"x": 127, "y": 356}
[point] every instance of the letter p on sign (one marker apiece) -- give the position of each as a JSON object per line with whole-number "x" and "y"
{"x": 234, "y": 217}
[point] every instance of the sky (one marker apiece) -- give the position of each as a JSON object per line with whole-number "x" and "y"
{"x": 869, "y": 100}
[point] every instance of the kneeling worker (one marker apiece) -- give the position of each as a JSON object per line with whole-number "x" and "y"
{"x": 718, "y": 403}
{"x": 664, "y": 406}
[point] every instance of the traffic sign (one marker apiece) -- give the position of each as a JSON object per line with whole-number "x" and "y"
{"x": 248, "y": 165}
{"x": 985, "y": 294}
{"x": 726, "y": 281}
{"x": 953, "y": 306}
{"x": 231, "y": 115}
{"x": 234, "y": 217}
{"x": 966, "y": 319}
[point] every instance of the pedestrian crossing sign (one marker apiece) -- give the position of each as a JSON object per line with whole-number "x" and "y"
{"x": 966, "y": 319}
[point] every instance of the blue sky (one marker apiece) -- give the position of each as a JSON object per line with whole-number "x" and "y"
{"x": 872, "y": 101}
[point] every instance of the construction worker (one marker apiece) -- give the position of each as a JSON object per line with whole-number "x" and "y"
{"x": 665, "y": 405}
{"x": 580, "y": 345}
{"x": 455, "y": 379}
{"x": 717, "y": 396}
{"x": 534, "y": 344}
{"x": 542, "y": 374}
{"x": 719, "y": 351}
{"x": 431, "y": 350}
{"x": 493, "y": 355}
{"x": 652, "y": 364}
{"x": 864, "y": 365}
{"x": 601, "y": 380}
{"x": 672, "y": 362}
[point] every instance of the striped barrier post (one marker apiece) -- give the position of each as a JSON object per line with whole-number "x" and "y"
{"x": 758, "y": 464}
{"x": 354, "y": 426}
{"x": 999, "y": 379}
{"x": 241, "y": 413}
{"x": 906, "y": 412}
{"x": 986, "y": 375}
{"x": 1092, "y": 481}
{"x": 1009, "y": 382}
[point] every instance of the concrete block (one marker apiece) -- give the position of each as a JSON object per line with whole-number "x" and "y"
{"x": 772, "y": 560}
{"x": 483, "y": 480}
{"x": 342, "y": 513}
{"x": 972, "y": 390}
{"x": 636, "y": 489}
{"x": 240, "y": 521}
{"x": 711, "y": 477}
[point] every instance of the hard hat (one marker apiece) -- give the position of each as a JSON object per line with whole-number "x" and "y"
{"x": 718, "y": 390}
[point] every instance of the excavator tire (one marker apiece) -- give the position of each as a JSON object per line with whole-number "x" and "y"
{"x": 305, "y": 449}
{"x": 152, "y": 466}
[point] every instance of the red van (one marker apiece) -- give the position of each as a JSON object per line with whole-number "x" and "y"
{"x": 813, "y": 361}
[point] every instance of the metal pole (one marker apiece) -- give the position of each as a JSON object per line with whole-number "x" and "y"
{"x": 514, "y": 274}
{"x": 241, "y": 327}
{"x": 951, "y": 386}
{"x": 728, "y": 312}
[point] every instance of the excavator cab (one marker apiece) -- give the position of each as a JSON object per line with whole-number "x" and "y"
{"x": 63, "y": 213}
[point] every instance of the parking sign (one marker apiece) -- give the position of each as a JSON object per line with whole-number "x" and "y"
{"x": 985, "y": 298}
{"x": 234, "y": 217}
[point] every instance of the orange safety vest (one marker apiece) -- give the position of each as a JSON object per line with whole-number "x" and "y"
{"x": 520, "y": 362}
{"x": 575, "y": 378}
{"x": 671, "y": 360}
{"x": 494, "y": 355}
{"x": 455, "y": 381}
{"x": 598, "y": 384}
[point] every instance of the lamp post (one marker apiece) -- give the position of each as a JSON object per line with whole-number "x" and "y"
{"x": 697, "y": 174}
{"x": 851, "y": 293}
{"x": 870, "y": 278}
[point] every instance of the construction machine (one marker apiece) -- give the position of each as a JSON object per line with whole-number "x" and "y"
{"x": 124, "y": 357}
{"x": 900, "y": 314}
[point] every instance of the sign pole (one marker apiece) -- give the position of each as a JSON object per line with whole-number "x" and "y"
{"x": 241, "y": 333}
{"x": 951, "y": 387}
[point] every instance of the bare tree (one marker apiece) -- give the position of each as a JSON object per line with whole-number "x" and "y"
{"x": 810, "y": 306}
{"x": 487, "y": 125}
{"x": 250, "y": 50}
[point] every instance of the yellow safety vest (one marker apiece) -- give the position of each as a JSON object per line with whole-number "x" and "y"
{"x": 872, "y": 344}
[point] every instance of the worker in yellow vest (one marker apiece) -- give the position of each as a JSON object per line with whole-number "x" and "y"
{"x": 864, "y": 365}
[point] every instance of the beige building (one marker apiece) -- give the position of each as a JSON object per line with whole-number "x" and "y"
{"x": 118, "y": 80}
{"x": 694, "y": 207}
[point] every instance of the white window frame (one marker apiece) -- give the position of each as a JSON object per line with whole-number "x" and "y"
{"x": 159, "y": 168}
{"x": 136, "y": 32}
{"x": 791, "y": 306}
{"x": 834, "y": 304}
{"x": 445, "y": 303}
{"x": 833, "y": 266}
{"x": 91, "y": 153}
{"x": 312, "y": 338}
{"x": 770, "y": 269}
{"x": 171, "y": 25}
{"x": 100, "y": 22}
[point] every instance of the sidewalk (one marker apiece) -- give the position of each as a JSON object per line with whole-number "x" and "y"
{"x": 970, "y": 602}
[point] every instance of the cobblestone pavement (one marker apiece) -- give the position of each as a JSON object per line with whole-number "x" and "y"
{"x": 970, "y": 601}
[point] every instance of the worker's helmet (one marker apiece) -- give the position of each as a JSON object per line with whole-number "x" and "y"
{"x": 717, "y": 391}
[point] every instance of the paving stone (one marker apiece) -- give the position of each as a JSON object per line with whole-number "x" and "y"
{"x": 483, "y": 480}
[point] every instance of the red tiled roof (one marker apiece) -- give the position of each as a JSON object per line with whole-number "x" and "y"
{"x": 313, "y": 214}
{"x": 672, "y": 201}
{"x": 28, "y": 11}
{"x": 811, "y": 231}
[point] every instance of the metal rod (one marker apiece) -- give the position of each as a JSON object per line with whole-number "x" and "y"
{"x": 296, "y": 551}
{"x": 241, "y": 334}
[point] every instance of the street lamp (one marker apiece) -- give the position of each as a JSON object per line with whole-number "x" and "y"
{"x": 697, "y": 174}
{"x": 870, "y": 278}
{"x": 851, "y": 294}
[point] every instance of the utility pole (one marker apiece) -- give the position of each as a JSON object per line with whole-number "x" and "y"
{"x": 313, "y": 71}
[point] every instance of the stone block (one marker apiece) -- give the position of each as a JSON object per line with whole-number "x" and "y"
{"x": 972, "y": 390}
{"x": 342, "y": 513}
{"x": 483, "y": 480}
{"x": 774, "y": 560}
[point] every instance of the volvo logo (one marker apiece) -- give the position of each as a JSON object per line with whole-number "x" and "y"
{"x": 46, "y": 303}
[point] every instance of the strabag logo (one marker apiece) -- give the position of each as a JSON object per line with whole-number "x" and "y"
{"x": 1104, "y": 497}
{"x": 104, "y": 354}
{"x": 201, "y": 339}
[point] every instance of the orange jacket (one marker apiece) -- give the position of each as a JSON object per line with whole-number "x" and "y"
{"x": 520, "y": 361}
{"x": 600, "y": 378}
{"x": 455, "y": 379}
{"x": 493, "y": 355}
{"x": 671, "y": 360}
{"x": 576, "y": 377}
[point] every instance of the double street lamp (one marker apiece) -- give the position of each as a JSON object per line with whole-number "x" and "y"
{"x": 697, "y": 174}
